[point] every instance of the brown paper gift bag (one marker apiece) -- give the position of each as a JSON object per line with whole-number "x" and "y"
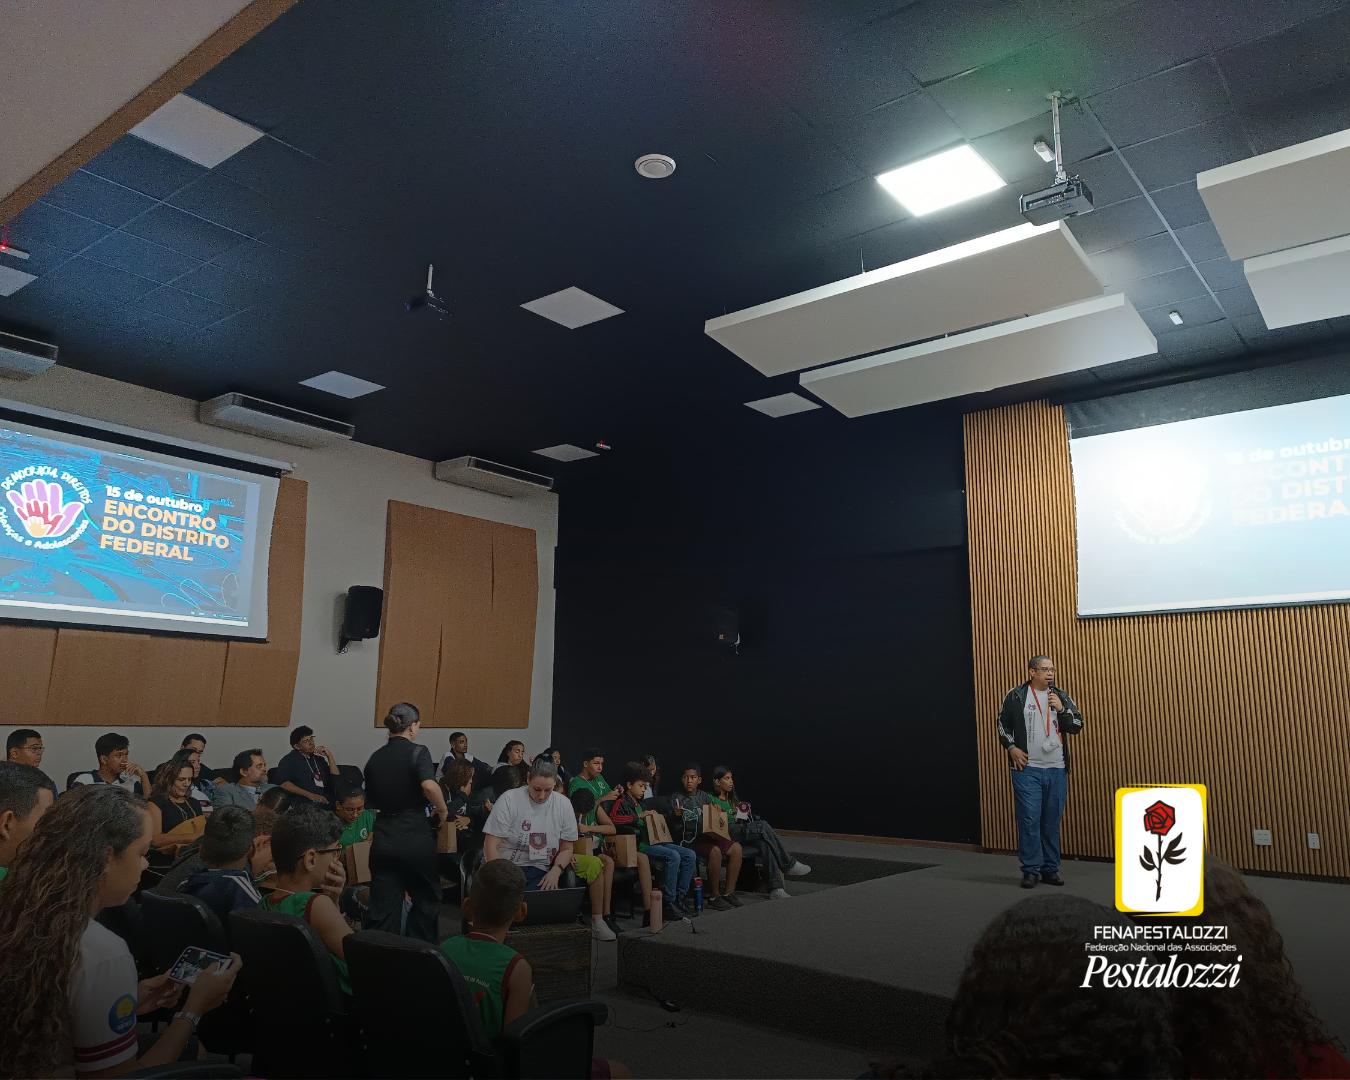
{"x": 447, "y": 838}
{"x": 357, "y": 858}
{"x": 657, "y": 829}
{"x": 622, "y": 849}
{"x": 715, "y": 821}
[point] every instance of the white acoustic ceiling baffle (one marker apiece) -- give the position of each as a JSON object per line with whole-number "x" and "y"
{"x": 191, "y": 129}
{"x": 566, "y": 452}
{"x": 1087, "y": 334}
{"x": 1302, "y": 285}
{"x": 1015, "y": 272}
{"x": 341, "y": 384}
{"x": 783, "y": 405}
{"x": 1283, "y": 199}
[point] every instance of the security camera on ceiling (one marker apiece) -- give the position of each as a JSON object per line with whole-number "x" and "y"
{"x": 1068, "y": 196}
{"x": 429, "y": 299}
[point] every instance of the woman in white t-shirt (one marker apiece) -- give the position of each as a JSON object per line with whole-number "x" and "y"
{"x": 68, "y": 987}
{"x": 534, "y": 827}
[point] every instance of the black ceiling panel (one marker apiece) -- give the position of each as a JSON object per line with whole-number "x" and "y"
{"x": 498, "y": 141}
{"x": 1255, "y": 333}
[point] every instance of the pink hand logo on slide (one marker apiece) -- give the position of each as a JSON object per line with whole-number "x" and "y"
{"x": 41, "y": 510}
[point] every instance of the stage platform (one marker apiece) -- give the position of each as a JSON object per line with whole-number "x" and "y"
{"x": 873, "y": 964}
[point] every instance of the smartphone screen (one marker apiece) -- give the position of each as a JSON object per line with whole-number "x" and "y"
{"x": 194, "y": 961}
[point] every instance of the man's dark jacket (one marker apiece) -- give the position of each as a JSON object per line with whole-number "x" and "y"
{"x": 1012, "y": 728}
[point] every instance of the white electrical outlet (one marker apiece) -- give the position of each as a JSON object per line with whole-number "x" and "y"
{"x": 1314, "y": 841}
{"x": 1261, "y": 837}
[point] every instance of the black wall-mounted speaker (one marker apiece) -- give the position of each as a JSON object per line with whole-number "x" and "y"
{"x": 361, "y": 617}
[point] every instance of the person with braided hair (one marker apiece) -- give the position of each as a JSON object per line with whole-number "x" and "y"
{"x": 68, "y": 987}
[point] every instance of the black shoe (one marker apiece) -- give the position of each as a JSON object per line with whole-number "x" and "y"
{"x": 1029, "y": 881}
{"x": 1052, "y": 878}
{"x": 732, "y": 899}
{"x": 671, "y": 913}
{"x": 686, "y": 905}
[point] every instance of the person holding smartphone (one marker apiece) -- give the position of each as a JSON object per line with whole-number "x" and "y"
{"x": 1032, "y": 723}
{"x": 68, "y": 986}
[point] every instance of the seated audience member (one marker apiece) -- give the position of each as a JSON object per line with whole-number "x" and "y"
{"x": 226, "y": 881}
{"x": 504, "y": 778}
{"x": 680, "y": 861}
{"x": 457, "y": 784}
{"x": 279, "y": 800}
{"x": 201, "y": 789}
{"x": 500, "y": 978}
{"x": 533, "y": 827}
{"x": 25, "y": 795}
{"x": 513, "y": 754}
{"x": 263, "y": 866}
{"x": 689, "y": 803}
{"x": 590, "y": 777}
{"x": 197, "y": 742}
{"x": 24, "y": 746}
{"x": 554, "y": 755}
{"x": 357, "y": 822}
{"x": 170, "y": 807}
{"x": 113, "y": 751}
{"x": 748, "y": 829}
{"x": 459, "y": 751}
{"x": 1020, "y": 1009}
{"x": 306, "y": 851}
{"x": 1263, "y": 1026}
{"x": 249, "y": 784}
{"x": 303, "y": 771}
{"x": 595, "y": 868}
{"x": 653, "y": 772}
{"x": 69, "y": 993}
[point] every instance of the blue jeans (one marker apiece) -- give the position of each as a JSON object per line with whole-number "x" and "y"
{"x": 680, "y": 862}
{"x": 533, "y": 876}
{"x": 1039, "y": 796}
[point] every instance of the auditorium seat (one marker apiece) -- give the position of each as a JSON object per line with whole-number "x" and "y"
{"x": 175, "y": 921}
{"x": 553, "y": 1041}
{"x": 188, "y": 1070}
{"x": 297, "y": 1010}
{"x": 128, "y": 923}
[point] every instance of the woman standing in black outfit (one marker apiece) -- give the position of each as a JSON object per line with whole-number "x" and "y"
{"x": 400, "y": 782}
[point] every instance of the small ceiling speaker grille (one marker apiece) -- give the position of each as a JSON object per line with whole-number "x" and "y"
{"x": 654, "y": 166}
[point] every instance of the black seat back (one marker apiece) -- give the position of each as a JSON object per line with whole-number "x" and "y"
{"x": 295, "y": 1004}
{"x": 402, "y": 986}
{"x": 70, "y": 779}
{"x": 175, "y": 921}
{"x": 128, "y": 923}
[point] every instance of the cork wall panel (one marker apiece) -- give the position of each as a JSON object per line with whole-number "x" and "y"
{"x": 1255, "y": 704}
{"x": 460, "y": 600}
{"x": 27, "y": 652}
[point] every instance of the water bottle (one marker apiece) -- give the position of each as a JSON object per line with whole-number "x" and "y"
{"x": 698, "y": 894}
{"x": 654, "y": 915}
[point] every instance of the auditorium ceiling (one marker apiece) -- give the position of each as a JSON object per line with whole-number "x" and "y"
{"x": 498, "y": 142}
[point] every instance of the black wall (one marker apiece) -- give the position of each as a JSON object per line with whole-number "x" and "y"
{"x": 841, "y": 545}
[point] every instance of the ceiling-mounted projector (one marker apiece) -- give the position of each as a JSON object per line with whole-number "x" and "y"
{"x": 1068, "y": 196}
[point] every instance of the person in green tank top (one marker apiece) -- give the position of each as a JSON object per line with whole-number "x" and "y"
{"x": 358, "y": 822}
{"x": 305, "y": 849}
{"x": 500, "y": 978}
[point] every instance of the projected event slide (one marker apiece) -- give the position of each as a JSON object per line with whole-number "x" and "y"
{"x": 1239, "y": 510}
{"x": 91, "y": 534}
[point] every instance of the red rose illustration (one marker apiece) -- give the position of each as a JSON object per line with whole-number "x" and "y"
{"x": 1159, "y": 818}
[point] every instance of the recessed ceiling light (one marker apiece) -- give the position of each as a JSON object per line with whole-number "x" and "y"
{"x": 654, "y": 166}
{"x": 572, "y": 308}
{"x": 1175, "y": 316}
{"x": 782, "y": 405}
{"x": 942, "y": 180}
{"x": 341, "y": 384}
{"x": 566, "y": 452}
{"x": 11, "y": 280}
{"x": 190, "y": 129}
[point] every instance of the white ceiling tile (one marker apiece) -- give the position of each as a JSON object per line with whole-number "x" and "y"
{"x": 566, "y": 452}
{"x": 341, "y": 384}
{"x": 783, "y": 405}
{"x": 11, "y": 280}
{"x": 572, "y": 308}
{"x": 190, "y": 129}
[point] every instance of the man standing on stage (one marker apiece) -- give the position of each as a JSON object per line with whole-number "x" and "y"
{"x": 1031, "y": 726}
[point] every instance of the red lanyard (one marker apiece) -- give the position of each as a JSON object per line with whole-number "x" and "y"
{"x": 1036, "y": 701}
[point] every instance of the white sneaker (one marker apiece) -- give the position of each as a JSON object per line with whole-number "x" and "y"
{"x": 601, "y": 932}
{"x": 798, "y": 869}
{"x": 780, "y": 894}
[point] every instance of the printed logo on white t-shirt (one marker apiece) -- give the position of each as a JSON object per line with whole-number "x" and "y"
{"x": 122, "y": 1015}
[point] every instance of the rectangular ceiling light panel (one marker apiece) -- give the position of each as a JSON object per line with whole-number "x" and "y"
{"x": 1302, "y": 285}
{"x": 190, "y": 129}
{"x": 1283, "y": 199}
{"x": 341, "y": 384}
{"x": 1083, "y": 335}
{"x": 783, "y": 405}
{"x": 566, "y": 452}
{"x": 1018, "y": 271}
{"x": 941, "y": 180}
{"x": 11, "y": 280}
{"x": 572, "y": 308}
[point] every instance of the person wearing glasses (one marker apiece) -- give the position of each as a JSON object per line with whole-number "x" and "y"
{"x": 304, "y": 772}
{"x": 401, "y": 788}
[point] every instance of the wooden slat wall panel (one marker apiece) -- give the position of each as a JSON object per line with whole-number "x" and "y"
{"x": 460, "y": 600}
{"x": 1255, "y": 704}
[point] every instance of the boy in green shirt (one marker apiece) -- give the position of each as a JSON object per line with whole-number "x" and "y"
{"x": 590, "y": 779}
{"x": 305, "y": 849}
{"x": 499, "y": 977}
{"x": 358, "y": 822}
